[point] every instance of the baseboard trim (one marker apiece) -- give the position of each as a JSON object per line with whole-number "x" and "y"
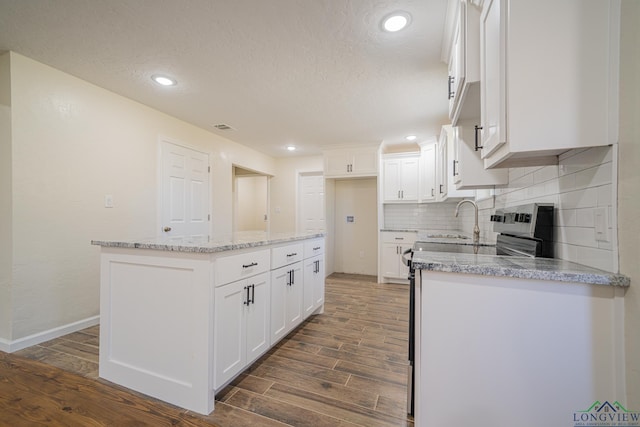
{"x": 16, "y": 345}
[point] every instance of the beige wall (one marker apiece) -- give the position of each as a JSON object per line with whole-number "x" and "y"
{"x": 72, "y": 143}
{"x": 251, "y": 203}
{"x": 356, "y": 244}
{"x": 5, "y": 198}
{"x": 629, "y": 190}
{"x": 284, "y": 189}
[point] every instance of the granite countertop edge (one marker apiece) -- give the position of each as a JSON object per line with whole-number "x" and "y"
{"x": 190, "y": 246}
{"x": 522, "y": 268}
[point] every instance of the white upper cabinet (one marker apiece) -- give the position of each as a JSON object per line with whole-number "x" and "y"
{"x": 464, "y": 64}
{"x": 546, "y": 70}
{"x": 355, "y": 162}
{"x": 400, "y": 181}
{"x": 467, "y": 168}
{"x": 428, "y": 173}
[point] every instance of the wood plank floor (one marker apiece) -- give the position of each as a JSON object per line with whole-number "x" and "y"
{"x": 346, "y": 367}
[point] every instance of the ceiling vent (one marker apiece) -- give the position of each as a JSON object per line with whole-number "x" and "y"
{"x": 222, "y": 126}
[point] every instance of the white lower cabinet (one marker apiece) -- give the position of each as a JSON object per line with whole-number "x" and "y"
{"x": 313, "y": 284}
{"x": 241, "y": 332}
{"x": 286, "y": 300}
{"x": 394, "y": 243}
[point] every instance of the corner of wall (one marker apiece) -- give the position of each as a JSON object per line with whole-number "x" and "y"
{"x": 6, "y": 197}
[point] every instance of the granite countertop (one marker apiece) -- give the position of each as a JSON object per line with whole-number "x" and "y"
{"x": 517, "y": 267}
{"x": 240, "y": 240}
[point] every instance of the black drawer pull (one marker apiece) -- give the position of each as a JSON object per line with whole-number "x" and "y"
{"x": 293, "y": 254}
{"x": 253, "y": 264}
{"x": 317, "y": 248}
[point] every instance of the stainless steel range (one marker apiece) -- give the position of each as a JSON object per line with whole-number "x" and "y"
{"x": 525, "y": 230}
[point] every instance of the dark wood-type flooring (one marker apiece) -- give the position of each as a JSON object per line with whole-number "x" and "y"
{"x": 346, "y": 367}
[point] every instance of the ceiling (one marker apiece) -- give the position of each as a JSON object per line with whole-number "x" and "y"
{"x": 312, "y": 73}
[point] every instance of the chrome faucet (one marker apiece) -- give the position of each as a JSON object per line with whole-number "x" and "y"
{"x": 476, "y": 229}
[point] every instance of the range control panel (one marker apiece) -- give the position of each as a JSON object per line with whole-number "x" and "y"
{"x": 528, "y": 220}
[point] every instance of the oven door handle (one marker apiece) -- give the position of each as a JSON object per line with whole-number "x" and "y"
{"x": 515, "y": 252}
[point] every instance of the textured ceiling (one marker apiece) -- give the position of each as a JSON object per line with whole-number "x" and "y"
{"x": 313, "y": 73}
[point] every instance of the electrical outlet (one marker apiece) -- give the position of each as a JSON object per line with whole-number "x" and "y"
{"x": 601, "y": 220}
{"x": 108, "y": 201}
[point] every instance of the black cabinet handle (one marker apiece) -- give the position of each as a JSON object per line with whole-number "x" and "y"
{"x": 451, "y": 93}
{"x": 477, "y": 128}
{"x": 247, "y": 301}
{"x": 253, "y": 264}
{"x": 253, "y": 294}
{"x": 441, "y": 192}
{"x": 292, "y": 254}
{"x": 317, "y": 248}
{"x": 454, "y": 167}
{"x": 293, "y": 277}
{"x": 433, "y": 191}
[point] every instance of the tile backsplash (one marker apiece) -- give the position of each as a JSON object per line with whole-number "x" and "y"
{"x": 581, "y": 187}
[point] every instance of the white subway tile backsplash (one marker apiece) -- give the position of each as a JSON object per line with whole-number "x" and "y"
{"x": 581, "y": 182}
{"x": 584, "y": 218}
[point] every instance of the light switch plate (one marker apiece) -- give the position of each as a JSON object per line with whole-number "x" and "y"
{"x": 601, "y": 220}
{"x": 108, "y": 201}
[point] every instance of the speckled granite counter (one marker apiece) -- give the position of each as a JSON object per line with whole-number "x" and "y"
{"x": 240, "y": 240}
{"x": 517, "y": 267}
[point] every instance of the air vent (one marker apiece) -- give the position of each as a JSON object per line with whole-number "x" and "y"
{"x": 222, "y": 126}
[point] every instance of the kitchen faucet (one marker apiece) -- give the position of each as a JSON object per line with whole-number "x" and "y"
{"x": 476, "y": 229}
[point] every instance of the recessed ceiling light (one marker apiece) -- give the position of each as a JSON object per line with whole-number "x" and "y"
{"x": 411, "y": 137}
{"x": 164, "y": 80}
{"x": 291, "y": 147}
{"x": 396, "y": 21}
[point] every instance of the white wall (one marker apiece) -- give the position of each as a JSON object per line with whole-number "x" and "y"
{"x": 251, "y": 204}
{"x": 629, "y": 190}
{"x": 72, "y": 143}
{"x": 581, "y": 183}
{"x": 284, "y": 189}
{"x": 5, "y": 199}
{"x": 356, "y": 244}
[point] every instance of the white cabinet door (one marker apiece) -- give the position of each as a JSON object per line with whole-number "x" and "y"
{"x": 441, "y": 166}
{"x": 492, "y": 88}
{"x": 564, "y": 99}
{"x": 428, "y": 173}
{"x": 468, "y": 168}
{"x": 392, "y": 182}
{"x": 228, "y": 338}
{"x": 401, "y": 178}
{"x": 293, "y": 297}
{"x": 365, "y": 161}
{"x": 318, "y": 284}
{"x": 390, "y": 266}
{"x": 257, "y": 317}
{"x": 286, "y": 300}
{"x": 279, "y": 285}
{"x": 360, "y": 161}
{"x": 336, "y": 163}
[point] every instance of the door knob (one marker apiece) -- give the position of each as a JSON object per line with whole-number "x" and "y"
{"x": 167, "y": 229}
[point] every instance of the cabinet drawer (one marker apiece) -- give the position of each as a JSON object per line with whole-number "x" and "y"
{"x": 399, "y": 237}
{"x": 313, "y": 248}
{"x": 285, "y": 255}
{"x": 234, "y": 267}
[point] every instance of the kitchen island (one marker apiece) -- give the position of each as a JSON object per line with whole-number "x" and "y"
{"x": 515, "y": 341}
{"x": 180, "y": 318}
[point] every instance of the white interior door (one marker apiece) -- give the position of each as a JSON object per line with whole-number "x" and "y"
{"x": 311, "y": 211}
{"x": 185, "y": 192}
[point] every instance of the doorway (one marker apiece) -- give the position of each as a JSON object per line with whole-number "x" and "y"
{"x": 184, "y": 192}
{"x": 250, "y": 200}
{"x": 356, "y": 226}
{"x": 311, "y": 199}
